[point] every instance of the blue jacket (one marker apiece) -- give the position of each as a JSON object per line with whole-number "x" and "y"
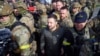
{"x": 5, "y": 39}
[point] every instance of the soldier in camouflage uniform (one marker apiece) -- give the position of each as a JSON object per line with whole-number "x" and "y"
{"x": 22, "y": 34}
{"x": 28, "y": 20}
{"x": 75, "y": 8}
{"x": 43, "y": 16}
{"x": 65, "y": 18}
{"x": 10, "y": 20}
{"x": 7, "y": 19}
{"x": 84, "y": 7}
{"x": 83, "y": 36}
{"x": 40, "y": 22}
{"x": 59, "y": 5}
{"x": 6, "y": 10}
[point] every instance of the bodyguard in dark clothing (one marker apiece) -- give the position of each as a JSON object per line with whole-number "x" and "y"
{"x": 52, "y": 38}
{"x": 83, "y": 36}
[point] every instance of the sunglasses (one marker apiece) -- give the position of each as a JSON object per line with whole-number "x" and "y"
{"x": 1, "y": 16}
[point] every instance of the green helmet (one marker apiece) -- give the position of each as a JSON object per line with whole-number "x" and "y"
{"x": 5, "y": 9}
{"x": 20, "y": 4}
{"x": 21, "y": 7}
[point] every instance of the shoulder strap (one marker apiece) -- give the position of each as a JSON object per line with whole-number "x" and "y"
{"x": 19, "y": 23}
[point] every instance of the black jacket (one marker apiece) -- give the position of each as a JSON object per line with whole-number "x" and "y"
{"x": 51, "y": 42}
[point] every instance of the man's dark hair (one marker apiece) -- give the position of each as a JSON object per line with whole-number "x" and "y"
{"x": 60, "y": 1}
{"x": 53, "y": 16}
{"x": 64, "y": 7}
{"x": 57, "y": 1}
{"x": 54, "y": 1}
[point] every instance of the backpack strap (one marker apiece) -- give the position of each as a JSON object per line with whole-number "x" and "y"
{"x": 19, "y": 23}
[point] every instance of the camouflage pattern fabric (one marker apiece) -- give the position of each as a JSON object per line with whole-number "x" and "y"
{"x": 22, "y": 36}
{"x": 29, "y": 21}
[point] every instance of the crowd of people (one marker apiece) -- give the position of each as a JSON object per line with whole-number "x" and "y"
{"x": 49, "y": 28}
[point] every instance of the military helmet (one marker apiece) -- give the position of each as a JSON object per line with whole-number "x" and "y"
{"x": 5, "y": 9}
{"x": 21, "y": 7}
{"x": 76, "y": 5}
{"x": 20, "y": 4}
